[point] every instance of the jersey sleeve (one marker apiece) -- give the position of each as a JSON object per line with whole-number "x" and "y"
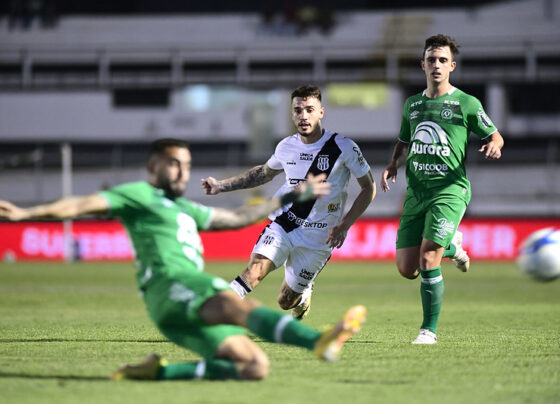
{"x": 354, "y": 159}
{"x": 125, "y": 199}
{"x": 201, "y": 214}
{"x": 477, "y": 121}
{"x": 404, "y": 133}
{"x": 274, "y": 161}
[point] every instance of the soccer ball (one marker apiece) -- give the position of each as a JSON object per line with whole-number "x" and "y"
{"x": 539, "y": 255}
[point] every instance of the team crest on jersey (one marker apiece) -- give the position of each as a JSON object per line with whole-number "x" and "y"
{"x": 446, "y": 113}
{"x": 323, "y": 162}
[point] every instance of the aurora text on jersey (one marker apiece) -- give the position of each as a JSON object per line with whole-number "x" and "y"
{"x": 437, "y": 131}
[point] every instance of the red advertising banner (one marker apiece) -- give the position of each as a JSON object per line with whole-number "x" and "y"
{"x": 368, "y": 239}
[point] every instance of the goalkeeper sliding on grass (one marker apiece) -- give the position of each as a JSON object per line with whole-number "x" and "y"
{"x": 193, "y": 309}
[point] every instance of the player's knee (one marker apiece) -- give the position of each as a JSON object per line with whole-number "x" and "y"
{"x": 408, "y": 272}
{"x": 257, "y": 369}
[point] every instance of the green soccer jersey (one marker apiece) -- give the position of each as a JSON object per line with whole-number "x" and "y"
{"x": 163, "y": 229}
{"x": 437, "y": 131}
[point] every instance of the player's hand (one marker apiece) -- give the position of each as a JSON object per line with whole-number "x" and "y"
{"x": 390, "y": 173}
{"x": 210, "y": 185}
{"x": 491, "y": 151}
{"x": 314, "y": 187}
{"x": 12, "y": 212}
{"x": 337, "y": 235}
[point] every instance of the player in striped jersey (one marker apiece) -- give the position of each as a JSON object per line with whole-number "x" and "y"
{"x": 303, "y": 235}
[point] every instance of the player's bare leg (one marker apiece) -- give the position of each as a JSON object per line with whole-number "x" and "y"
{"x": 289, "y": 299}
{"x": 408, "y": 261}
{"x": 258, "y": 268}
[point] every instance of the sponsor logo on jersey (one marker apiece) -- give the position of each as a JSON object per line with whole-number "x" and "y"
{"x": 483, "y": 118}
{"x": 333, "y": 207}
{"x": 295, "y": 181}
{"x": 414, "y": 114}
{"x": 306, "y": 156}
{"x": 304, "y": 223}
{"x": 415, "y": 104}
{"x": 323, "y": 162}
{"x": 451, "y": 102}
{"x": 444, "y": 227}
{"x": 431, "y": 169}
{"x": 446, "y": 113}
{"x": 429, "y": 138}
{"x": 305, "y": 274}
{"x": 360, "y": 155}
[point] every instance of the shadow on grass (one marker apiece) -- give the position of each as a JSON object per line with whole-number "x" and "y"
{"x": 12, "y": 340}
{"x": 9, "y": 375}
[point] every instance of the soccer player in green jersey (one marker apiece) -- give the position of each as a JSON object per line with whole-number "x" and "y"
{"x": 193, "y": 309}
{"x": 434, "y": 134}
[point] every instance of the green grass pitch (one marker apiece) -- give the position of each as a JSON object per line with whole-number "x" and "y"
{"x": 65, "y": 327}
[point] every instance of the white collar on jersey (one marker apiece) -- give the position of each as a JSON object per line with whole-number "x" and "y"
{"x": 451, "y": 91}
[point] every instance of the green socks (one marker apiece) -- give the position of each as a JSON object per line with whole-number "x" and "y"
{"x": 214, "y": 369}
{"x": 281, "y": 328}
{"x": 431, "y": 290}
{"x": 450, "y": 251}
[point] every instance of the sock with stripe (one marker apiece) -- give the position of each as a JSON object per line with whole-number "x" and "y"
{"x": 214, "y": 369}
{"x": 240, "y": 286}
{"x": 450, "y": 251}
{"x": 431, "y": 290}
{"x": 281, "y": 328}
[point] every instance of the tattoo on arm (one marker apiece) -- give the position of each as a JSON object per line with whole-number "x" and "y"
{"x": 252, "y": 178}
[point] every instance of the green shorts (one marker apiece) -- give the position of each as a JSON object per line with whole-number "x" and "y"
{"x": 431, "y": 216}
{"x": 173, "y": 305}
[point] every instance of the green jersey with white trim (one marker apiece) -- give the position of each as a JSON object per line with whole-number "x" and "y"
{"x": 437, "y": 131}
{"x": 163, "y": 229}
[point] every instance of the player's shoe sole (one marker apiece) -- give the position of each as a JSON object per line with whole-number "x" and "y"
{"x": 461, "y": 258}
{"x": 425, "y": 337}
{"x": 145, "y": 370}
{"x": 330, "y": 343}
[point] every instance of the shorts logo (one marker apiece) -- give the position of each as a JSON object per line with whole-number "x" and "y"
{"x": 333, "y": 207}
{"x": 445, "y": 227}
{"x": 323, "y": 162}
{"x": 268, "y": 239}
{"x": 305, "y": 274}
{"x": 446, "y": 113}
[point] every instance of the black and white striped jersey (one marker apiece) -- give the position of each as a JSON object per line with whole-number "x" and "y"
{"x": 334, "y": 155}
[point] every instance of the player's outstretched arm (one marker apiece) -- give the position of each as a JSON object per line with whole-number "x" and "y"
{"x": 249, "y": 179}
{"x": 390, "y": 173}
{"x": 223, "y": 219}
{"x": 493, "y": 148}
{"x": 338, "y": 233}
{"x": 64, "y": 208}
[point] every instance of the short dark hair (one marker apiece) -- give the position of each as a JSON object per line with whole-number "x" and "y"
{"x": 159, "y": 146}
{"x": 439, "y": 41}
{"x": 306, "y": 91}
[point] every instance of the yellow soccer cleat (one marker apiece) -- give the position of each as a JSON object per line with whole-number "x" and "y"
{"x": 145, "y": 370}
{"x": 330, "y": 344}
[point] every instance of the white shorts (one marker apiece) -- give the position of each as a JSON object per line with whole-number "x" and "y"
{"x": 302, "y": 264}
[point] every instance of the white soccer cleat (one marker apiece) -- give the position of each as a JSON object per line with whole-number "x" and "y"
{"x": 461, "y": 258}
{"x": 302, "y": 310}
{"x": 425, "y": 337}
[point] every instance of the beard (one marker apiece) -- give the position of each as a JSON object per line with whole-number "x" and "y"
{"x": 173, "y": 189}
